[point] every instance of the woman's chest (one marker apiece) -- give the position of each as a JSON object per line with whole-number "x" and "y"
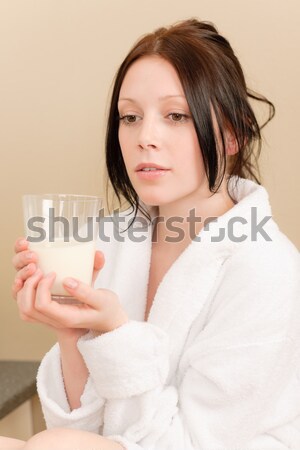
{"x": 155, "y": 276}
{"x": 161, "y": 262}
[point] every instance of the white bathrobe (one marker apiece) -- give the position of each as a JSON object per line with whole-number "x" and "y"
{"x": 217, "y": 364}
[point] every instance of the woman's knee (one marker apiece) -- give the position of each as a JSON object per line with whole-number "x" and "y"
{"x": 69, "y": 439}
{"x": 54, "y": 438}
{"x": 11, "y": 444}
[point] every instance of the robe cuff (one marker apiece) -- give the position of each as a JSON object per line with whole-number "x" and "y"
{"x": 54, "y": 402}
{"x": 127, "y": 361}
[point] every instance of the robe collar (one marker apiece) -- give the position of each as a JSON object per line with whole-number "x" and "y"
{"x": 189, "y": 282}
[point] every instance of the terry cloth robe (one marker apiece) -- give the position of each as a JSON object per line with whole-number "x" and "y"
{"x": 217, "y": 364}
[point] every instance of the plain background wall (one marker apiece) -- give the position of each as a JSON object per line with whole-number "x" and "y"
{"x": 57, "y": 62}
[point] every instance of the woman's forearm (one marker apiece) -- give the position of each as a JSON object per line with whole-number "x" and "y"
{"x": 74, "y": 370}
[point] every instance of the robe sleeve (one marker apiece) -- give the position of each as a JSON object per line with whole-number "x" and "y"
{"x": 54, "y": 402}
{"x": 235, "y": 370}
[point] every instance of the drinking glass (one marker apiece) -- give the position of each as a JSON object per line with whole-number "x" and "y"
{"x": 62, "y": 230}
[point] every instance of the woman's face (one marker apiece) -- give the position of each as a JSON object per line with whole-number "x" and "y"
{"x": 156, "y": 128}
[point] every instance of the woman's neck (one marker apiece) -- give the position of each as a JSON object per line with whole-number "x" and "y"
{"x": 179, "y": 222}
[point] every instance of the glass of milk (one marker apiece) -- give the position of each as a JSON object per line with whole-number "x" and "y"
{"x": 62, "y": 230}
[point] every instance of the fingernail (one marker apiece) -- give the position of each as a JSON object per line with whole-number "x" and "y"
{"x": 49, "y": 275}
{"x": 28, "y": 255}
{"x": 71, "y": 283}
{"x": 22, "y": 242}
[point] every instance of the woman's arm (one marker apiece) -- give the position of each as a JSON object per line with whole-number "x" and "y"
{"x": 67, "y": 394}
{"x": 56, "y": 407}
{"x": 74, "y": 370}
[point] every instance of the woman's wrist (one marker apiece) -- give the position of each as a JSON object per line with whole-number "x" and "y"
{"x": 70, "y": 335}
{"x": 116, "y": 324}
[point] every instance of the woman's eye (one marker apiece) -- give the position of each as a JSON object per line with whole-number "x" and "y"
{"x": 178, "y": 117}
{"x": 128, "y": 119}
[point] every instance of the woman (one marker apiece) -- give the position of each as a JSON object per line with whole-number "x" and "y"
{"x": 191, "y": 340}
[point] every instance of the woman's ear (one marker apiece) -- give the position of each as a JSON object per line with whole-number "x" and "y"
{"x": 231, "y": 144}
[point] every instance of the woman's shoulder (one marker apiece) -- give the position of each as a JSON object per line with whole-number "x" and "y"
{"x": 278, "y": 256}
{"x": 260, "y": 282}
{"x": 265, "y": 273}
{"x": 261, "y": 254}
{"x": 259, "y": 235}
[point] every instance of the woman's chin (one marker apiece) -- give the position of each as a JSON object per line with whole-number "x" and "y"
{"x": 152, "y": 200}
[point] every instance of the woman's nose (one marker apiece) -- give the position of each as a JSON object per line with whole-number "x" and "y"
{"x": 148, "y": 135}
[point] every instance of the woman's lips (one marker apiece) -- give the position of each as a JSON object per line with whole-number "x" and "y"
{"x": 152, "y": 174}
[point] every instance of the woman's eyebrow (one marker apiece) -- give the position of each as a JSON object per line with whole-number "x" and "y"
{"x": 165, "y": 97}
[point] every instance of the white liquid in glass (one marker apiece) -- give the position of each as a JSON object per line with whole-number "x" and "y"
{"x": 67, "y": 259}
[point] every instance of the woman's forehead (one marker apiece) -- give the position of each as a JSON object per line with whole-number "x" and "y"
{"x": 151, "y": 75}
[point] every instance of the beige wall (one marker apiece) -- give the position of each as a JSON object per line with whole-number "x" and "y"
{"x": 57, "y": 60}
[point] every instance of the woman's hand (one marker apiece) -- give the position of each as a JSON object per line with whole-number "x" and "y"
{"x": 25, "y": 262}
{"x": 100, "y": 310}
{"x": 32, "y": 291}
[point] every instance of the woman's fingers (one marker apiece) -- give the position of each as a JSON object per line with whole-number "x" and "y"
{"x": 26, "y": 299}
{"x": 103, "y": 310}
{"x": 64, "y": 316}
{"x": 24, "y": 262}
{"x": 22, "y": 276}
{"x": 99, "y": 260}
{"x": 26, "y": 272}
{"x": 20, "y": 245}
{"x": 23, "y": 258}
{"x": 43, "y": 294}
{"x": 98, "y": 263}
{"x": 16, "y": 287}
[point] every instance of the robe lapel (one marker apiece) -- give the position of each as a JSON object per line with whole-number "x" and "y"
{"x": 183, "y": 293}
{"x": 130, "y": 271}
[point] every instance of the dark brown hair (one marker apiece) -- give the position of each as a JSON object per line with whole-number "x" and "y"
{"x": 212, "y": 78}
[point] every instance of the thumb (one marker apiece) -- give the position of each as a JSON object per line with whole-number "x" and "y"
{"x": 99, "y": 262}
{"x": 83, "y": 292}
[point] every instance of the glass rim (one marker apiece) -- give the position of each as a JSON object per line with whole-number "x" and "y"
{"x": 62, "y": 197}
